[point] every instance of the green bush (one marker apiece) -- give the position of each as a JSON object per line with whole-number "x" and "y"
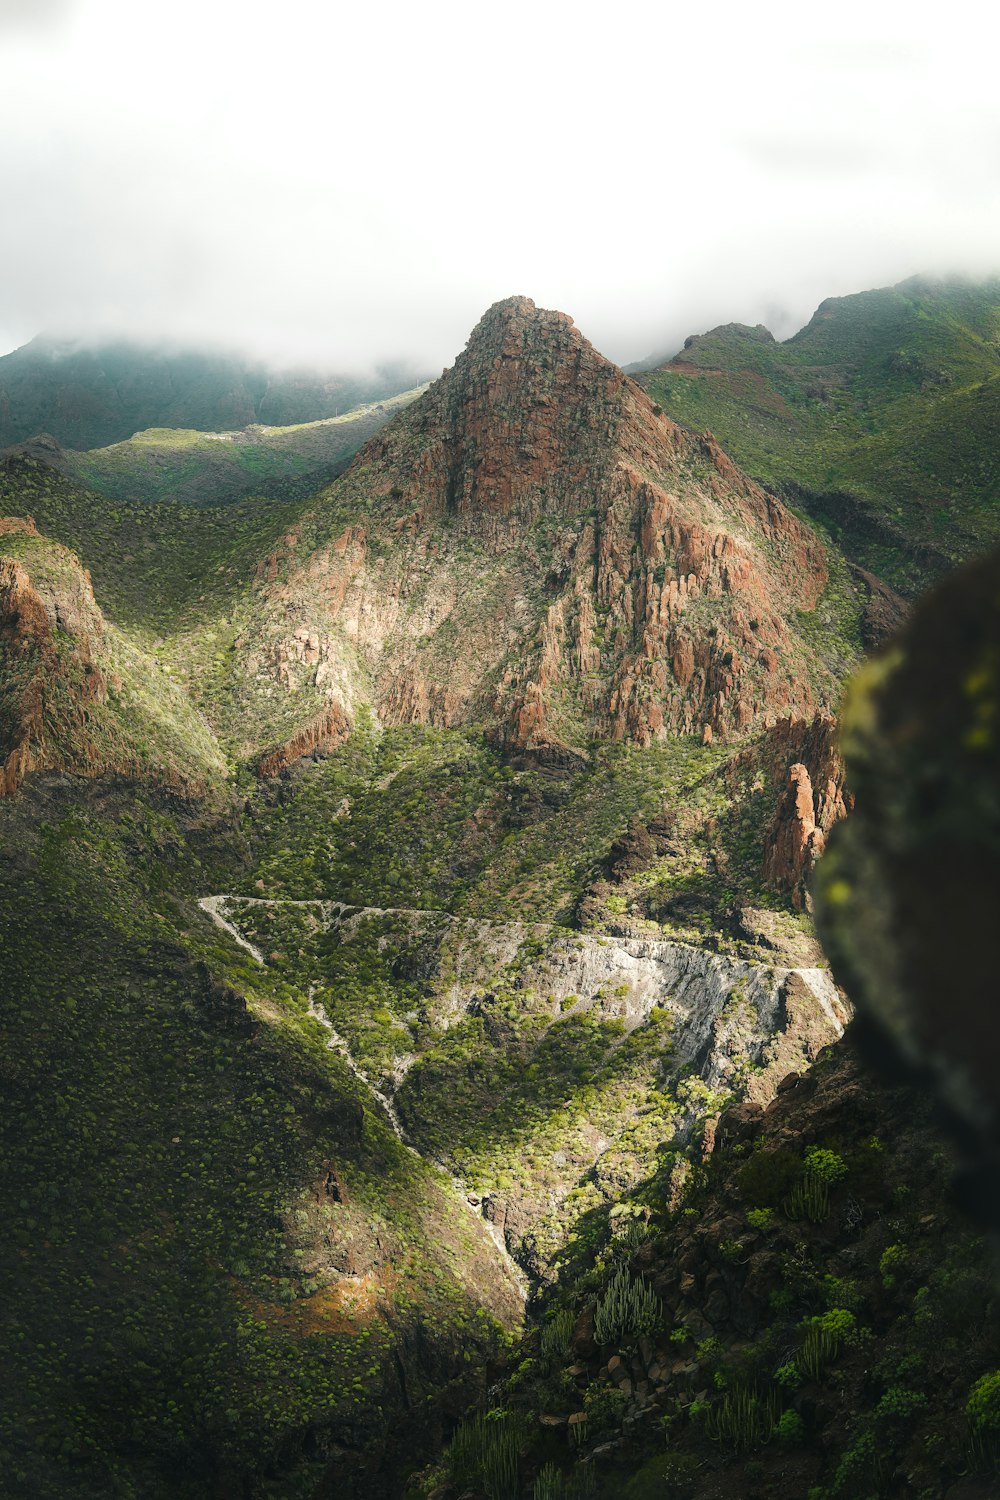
{"x": 790, "y": 1428}
{"x": 891, "y": 1263}
{"x": 825, "y": 1336}
{"x": 825, "y": 1166}
{"x": 767, "y": 1177}
{"x": 760, "y": 1219}
{"x": 983, "y": 1412}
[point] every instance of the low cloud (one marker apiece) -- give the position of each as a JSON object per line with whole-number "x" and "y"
{"x": 348, "y": 186}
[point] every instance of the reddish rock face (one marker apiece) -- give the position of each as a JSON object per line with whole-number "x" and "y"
{"x": 324, "y": 733}
{"x": 36, "y": 673}
{"x": 72, "y": 699}
{"x": 802, "y": 761}
{"x": 534, "y": 544}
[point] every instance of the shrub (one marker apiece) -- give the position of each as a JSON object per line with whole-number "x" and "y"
{"x": 766, "y": 1178}
{"x": 983, "y": 1412}
{"x": 825, "y": 1336}
{"x": 790, "y": 1428}
{"x": 826, "y": 1166}
{"x": 760, "y": 1218}
{"x": 899, "y": 1405}
{"x": 891, "y": 1263}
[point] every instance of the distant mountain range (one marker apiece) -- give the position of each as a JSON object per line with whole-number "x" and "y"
{"x": 89, "y": 396}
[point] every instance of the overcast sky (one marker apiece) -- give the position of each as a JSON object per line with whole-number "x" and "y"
{"x": 349, "y": 183}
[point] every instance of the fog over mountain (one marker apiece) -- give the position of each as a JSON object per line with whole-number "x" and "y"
{"x": 356, "y": 185}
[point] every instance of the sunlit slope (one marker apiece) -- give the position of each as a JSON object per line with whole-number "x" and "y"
{"x": 211, "y": 468}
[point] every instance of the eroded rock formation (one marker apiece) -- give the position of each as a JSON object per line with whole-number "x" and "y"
{"x": 533, "y": 544}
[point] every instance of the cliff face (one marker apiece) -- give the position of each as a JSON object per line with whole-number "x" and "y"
{"x": 74, "y": 696}
{"x": 801, "y": 761}
{"x": 50, "y": 685}
{"x": 535, "y": 545}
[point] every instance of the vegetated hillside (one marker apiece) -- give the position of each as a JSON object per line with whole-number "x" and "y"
{"x": 528, "y": 718}
{"x": 811, "y": 1312}
{"x": 879, "y": 418}
{"x": 213, "y": 468}
{"x": 532, "y": 544}
{"x": 812, "y": 1318}
{"x": 222, "y": 1273}
{"x": 88, "y": 396}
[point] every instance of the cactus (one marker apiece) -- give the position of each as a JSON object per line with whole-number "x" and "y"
{"x": 555, "y": 1336}
{"x": 809, "y": 1199}
{"x": 825, "y": 1337}
{"x": 634, "y": 1234}
{"x": 549, "y": 1484}
{"x": 484, "y": 1450}
{"x": 553, "y": 1485}
{"x": 500, "y": 1464}
{"x": 743, "y": 1418}
{"x": 627, "y": 1309}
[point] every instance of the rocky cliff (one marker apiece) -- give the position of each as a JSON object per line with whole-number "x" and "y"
{"x": 74, "y": 695}
{"x": 534, "y": 545}
{"x": 799, "y": 761}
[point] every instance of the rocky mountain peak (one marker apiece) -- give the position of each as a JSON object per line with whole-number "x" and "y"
{"x": 534, "y": 544}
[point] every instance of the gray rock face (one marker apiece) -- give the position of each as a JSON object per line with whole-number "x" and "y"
{"x": 734, "y": 1029}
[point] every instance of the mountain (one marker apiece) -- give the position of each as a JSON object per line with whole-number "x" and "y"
{"x": 75, "y": 695}
{"x": 534, "y": 545}
{"x": 399, "y": 882}
{"x": 91, "y": 396}
{"x": 878, "y": 419}
{"x": 214, "y": 468}
{"x": 814, "y": 1312}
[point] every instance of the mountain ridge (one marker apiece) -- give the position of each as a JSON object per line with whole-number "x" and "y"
{"x": 90, "y": 395}
{"x": 876, "y": 418}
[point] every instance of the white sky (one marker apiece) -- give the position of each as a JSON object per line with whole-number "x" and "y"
{"x": 348, "y": 183}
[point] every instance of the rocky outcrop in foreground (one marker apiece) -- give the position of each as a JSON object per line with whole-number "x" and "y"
{"x": 816, "y": 1318}
{"x": 909, "y": 891}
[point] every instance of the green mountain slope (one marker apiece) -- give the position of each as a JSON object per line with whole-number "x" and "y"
{"x": 222, "y": 1272}
{"x": 90, "y": 396}
{"x": 199, "y": 468}
{"x": 879, "y": 418}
